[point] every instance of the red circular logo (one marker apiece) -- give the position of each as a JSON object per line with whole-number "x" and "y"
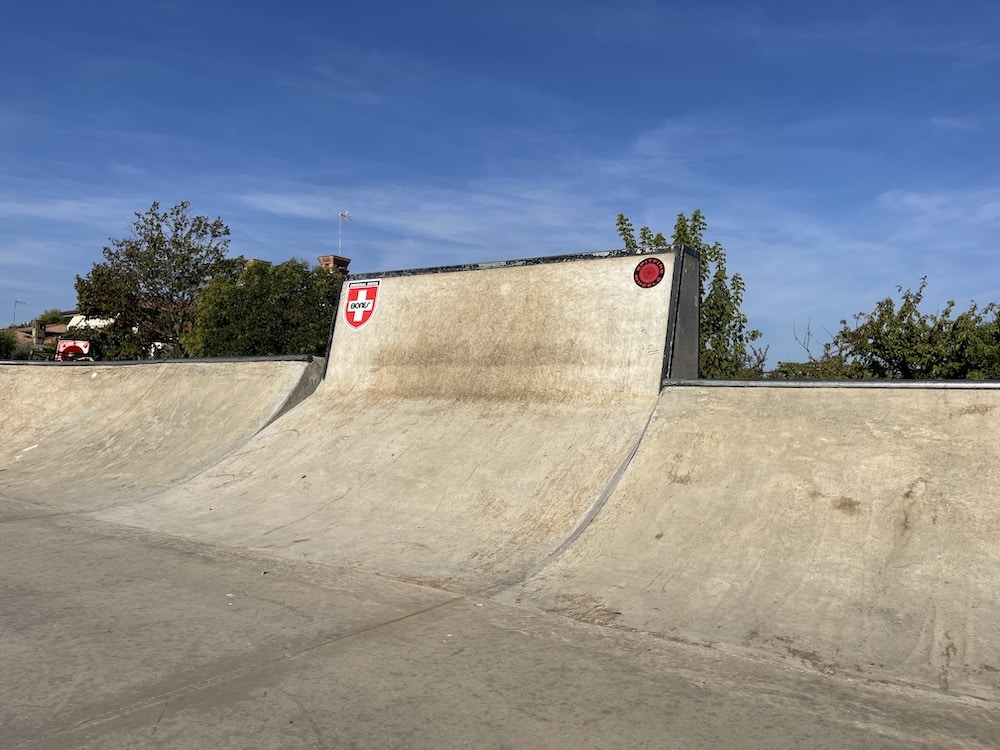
{"x": 649, "y": 272}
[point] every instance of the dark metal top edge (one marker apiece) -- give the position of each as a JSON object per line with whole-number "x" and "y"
{"x": 985, "y": 385}
{"x": 597, "y": 255}
{"x": 189, "y": 360}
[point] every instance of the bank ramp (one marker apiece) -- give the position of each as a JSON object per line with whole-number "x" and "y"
{"x": 472, "y": 420}
{"x": 850, "y": 530}
{"x": 77, "y": 436}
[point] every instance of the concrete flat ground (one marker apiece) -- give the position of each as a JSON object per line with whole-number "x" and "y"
{"x": 115, "y": 637}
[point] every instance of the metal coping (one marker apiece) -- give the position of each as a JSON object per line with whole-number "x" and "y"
{"x": 984, "y": 385}
{"x": 523, "y": 262}
{"x": 131, "y": 362}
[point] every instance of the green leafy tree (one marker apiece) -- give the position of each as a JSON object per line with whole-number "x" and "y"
{"x": 149, "y": 282}
{"x": 8, "y": 342}
{"x": 268, "y": 310}
{"x": 832, "y": 364}
{"x": 51, "y": 316}
{"x": 726, "y": 348}
{"x": 11, "y": 346}
{"x": 114, "y": 342}
{"x": 901, "y": 342}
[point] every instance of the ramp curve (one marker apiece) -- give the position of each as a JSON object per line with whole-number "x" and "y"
{"x": 851, "y": 531}
{"x": 463, "y": 431}
{"x": 87, "y": 435}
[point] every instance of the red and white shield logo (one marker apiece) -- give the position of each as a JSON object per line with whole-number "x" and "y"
{"x": 361, "y": 298}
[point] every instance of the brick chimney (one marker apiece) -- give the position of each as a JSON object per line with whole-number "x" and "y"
{"x": 334, "y": 263}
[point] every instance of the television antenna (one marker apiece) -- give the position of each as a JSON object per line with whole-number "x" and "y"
{"x": 16, "y": 303}
{"x": 340, "y": 230}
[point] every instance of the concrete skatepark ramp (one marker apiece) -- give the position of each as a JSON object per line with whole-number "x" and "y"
{"x": 848, "y": 530}
{"x": 88, "y": 434}
{"x": 491, "y": 459}
{"x": 464, "y": 430}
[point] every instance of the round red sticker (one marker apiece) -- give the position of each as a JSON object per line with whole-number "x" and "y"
{"x": 649, "y": 272}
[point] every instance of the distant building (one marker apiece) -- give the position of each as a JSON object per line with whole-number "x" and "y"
{"x": 331, "y": 263}
{"x": 334, "y": 263}
{"x": 81, "y": 321}
{"x": 39, "y": 336}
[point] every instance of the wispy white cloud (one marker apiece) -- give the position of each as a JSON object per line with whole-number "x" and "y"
{"x": 954, "y": 124}
{"x": 941, "y": 212}
{"x": 473, "y": 223}
{"x": 363, "y": 77}
{"x": 898, "y": 28}
{"x": 79, "y": 210}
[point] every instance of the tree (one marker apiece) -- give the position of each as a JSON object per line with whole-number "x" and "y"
{"x": 11, "y": 347}
{"x": 268, "y": 310}
{"x": 149, "y": 282}
{"x": 725, "y": 345}
{"x": 904, "y": 343}
{"x": 832, "y": 364}
{"x": 53, "y": 315}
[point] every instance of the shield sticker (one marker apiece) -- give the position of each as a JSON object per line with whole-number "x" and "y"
{"x": 361, "y": 299}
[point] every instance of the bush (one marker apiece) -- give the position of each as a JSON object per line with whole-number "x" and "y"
{"x": 11, "y": 347}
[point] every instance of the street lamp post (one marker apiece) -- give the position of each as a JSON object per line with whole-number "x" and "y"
{"x": 16, "y": 303}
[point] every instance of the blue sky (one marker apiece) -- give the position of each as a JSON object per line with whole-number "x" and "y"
{"x": 837, "y": 149}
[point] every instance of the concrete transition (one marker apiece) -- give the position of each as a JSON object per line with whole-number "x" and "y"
{"x": 501, "y": 436}
{"x": 80, "y": 435}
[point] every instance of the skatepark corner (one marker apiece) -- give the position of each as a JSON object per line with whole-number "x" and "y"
{"x": 509, "y": 486}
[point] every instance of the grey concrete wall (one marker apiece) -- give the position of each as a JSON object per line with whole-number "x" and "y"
{"x": 580, "y": 331}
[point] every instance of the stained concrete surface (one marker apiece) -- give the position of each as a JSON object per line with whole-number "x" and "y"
{"x": 849, "y": 530}
{"x": 121, "y": 638}
{"x": 460, "y": 436}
